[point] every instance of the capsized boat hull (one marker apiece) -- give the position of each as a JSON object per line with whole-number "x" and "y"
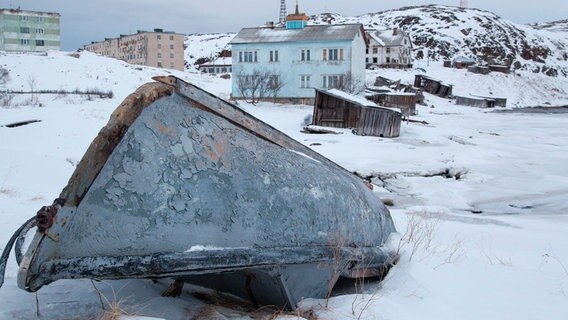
{"x": 184, "y": 191}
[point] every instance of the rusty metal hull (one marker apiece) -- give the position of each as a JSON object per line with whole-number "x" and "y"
{"x": 183, "y": 191}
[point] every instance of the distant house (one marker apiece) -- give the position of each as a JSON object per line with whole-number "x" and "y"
{"x": 217, "y": 66}
{"x": 158, "y": 48}
{"x": 29, "y": 31}
{"x": 298, "y": 58}
{"x": 338, "y": 109}
{"x": 462, "y": 62}
{"x": 388, "y": 49}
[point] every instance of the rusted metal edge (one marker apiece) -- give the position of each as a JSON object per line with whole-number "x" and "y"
{"x": 198, "y": 262}
{"x": 14, "y": 239}
{"x": 241, "y": 118}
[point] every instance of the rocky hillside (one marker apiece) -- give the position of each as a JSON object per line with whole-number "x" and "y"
{"x": 443, "y": 32}
{"x": 202, "y": 48}
{"x": 560, "y": 26}
{"x": 439, "y": 33}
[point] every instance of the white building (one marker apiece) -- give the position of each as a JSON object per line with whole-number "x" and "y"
{"x": 389, "y": 49}
{"x": 297, "y": 58}
{"x": 221, "y": 65}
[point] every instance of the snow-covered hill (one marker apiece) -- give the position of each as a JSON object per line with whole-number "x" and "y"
{"x": 443, "y": 32}
{"x": 560, "y": 26}
{"x": 201, "y": 48}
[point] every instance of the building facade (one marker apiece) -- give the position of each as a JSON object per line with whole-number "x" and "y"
{"x": 299, "y": 58}
{"x": 221, "y": 65}
{"x": 389, "y": 49}
{"x": 158, "y": 48}
{"x": 29, "y": 31}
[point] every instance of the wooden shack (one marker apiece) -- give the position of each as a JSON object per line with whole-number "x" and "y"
{"x": 406, "y": 102}
{"x": 338, "y": 109}
{"x": 433, "y": 86}
{"x": 479, "y": 69}
{"x": 499, "y": 68}
{"x": 481, "y": 101}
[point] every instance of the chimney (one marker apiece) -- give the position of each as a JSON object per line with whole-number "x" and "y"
{"x": 395, "y": 31}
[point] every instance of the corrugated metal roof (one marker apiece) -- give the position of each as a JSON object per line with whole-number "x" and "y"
{"x": 310, "y": 33}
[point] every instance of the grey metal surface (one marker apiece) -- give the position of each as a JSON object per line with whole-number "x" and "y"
{"x": 183, "y": 176}
{"x": 344, "y": 32}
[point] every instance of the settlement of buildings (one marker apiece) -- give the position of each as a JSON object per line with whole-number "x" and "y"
{"x": 300, "y": 58}
{"x": 29, "y": 31}
{"x": 158, "y": 48}
{"x": 389, "y": 49}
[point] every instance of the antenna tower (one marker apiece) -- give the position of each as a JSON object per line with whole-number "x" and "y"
{"x": 463, "y": 4}
{"x": 282, "y": 12}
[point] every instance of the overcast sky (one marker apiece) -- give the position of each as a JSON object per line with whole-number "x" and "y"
{"x": 83, "y": 21}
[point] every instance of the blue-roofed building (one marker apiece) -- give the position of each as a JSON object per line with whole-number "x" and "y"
{"x": 296, "y": 58}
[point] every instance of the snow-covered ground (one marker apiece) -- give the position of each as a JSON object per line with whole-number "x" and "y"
{"x": 509, "y": 260}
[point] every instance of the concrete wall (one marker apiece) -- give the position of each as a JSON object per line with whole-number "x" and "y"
{"x": 33, "y": 31}
{"x": 290, "y": 67}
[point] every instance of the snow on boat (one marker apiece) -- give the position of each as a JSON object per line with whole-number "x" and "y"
{"x": 183, "y": 184}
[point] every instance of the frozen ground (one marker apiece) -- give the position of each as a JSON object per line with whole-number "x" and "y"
{"x": 509, "y": 260}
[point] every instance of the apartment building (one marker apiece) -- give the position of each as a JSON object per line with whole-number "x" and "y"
{"x": 29, "y": 31}
{"x": 158, "y": 48}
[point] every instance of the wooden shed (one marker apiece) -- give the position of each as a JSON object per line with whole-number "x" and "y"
{"x": 481, "y": 101}
{"x": 499, "y": 68}
{"x": 338, "y": 109}
{"x": 433, "y": 86}
{"x": 479, "y": 69}
{"x": 405, "y": 101}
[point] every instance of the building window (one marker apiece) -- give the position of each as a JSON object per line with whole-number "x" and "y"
{"x": 171, "y": 46}
{"x": 388, "y": 60}
{"x": 172, "y": 38}
{"x": 159, "y": 37}
{"x": 333, "y": 54}
{"x": 171, "y": 65}
{"x": 240, "y": 56}
{"x": 224, "y": 69}
{"x": 273, "y": 55}
{"x": 39, "y": 43}
{"x": 333, "y": 81}
{"x": 211, "y": 70}
{"x": 367, "y": 51}
{"x": 305, "y": 82}
{"x": 159, "y": 46}
{"x": 159, "y": 56}
{"x": 171, "y": 55}
{"x": 305, "y": 55}
{"x": 39, "y": 19}
{"x": 367, "y": 60}
{"x": 39, "y": 30}
{"x": 25, "y": 42}
{"x": 159, "y": 64}
{"x": 24, "y": 29}
{"x": 375, "y": 50}
{"x": 25, "y": 18}
{"x": 273, "y": 82}
{"x": 249, "y": 56}
{"x": 388, "y": 50}
{"x": 375, "y": 60}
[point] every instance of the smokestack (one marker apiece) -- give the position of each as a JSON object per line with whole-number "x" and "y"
{"x": 394, "y": 31}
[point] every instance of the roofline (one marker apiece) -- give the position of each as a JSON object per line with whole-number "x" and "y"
{"x": 362, "y": 30}
{"x": 29, "y": 11}
{"x": 326, "y": 91}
